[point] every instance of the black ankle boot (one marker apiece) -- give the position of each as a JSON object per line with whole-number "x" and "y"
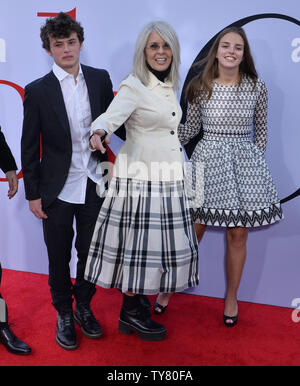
{"x": 85, "y": 318}
{"x": 65, "y": 330}
{"x": 11, "y": 342}
{"x": 133, "y": 318}
{"x": 145, "y": 302}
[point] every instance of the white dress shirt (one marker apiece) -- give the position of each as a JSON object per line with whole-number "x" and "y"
{"x": 83, "y": 166}
{"x": 151, "y": 114}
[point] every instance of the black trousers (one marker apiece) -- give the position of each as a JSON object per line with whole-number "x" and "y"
{"x": 58, "y": 235}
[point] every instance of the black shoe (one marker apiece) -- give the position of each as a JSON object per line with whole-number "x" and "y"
{"x": 86, "y": 320}
{"x": 65, "y": 330}
{"x": 160, "y": 307}
{"x": 230, "y": 321}
{"x": 145, "y": 302}
{"x": 133, "y": 318}
{"x": 12, "y": 343}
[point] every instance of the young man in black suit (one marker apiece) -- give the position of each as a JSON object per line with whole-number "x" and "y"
{"x": 9, "y": 167}
{"x": 61, "y": 186}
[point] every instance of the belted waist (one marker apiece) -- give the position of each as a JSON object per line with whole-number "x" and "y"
{"x": 221, "y": 135}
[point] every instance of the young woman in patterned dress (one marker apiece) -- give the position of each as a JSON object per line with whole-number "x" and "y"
{"x": 227, "y": 98}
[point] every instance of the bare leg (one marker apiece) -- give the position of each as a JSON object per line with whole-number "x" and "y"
{"x": 235, "y": 260}
{"x": 164, "y": 298}
{"x": 129, "y": 293}
{"x": 200, "y": 229}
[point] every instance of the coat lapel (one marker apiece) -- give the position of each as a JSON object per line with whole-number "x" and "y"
{"x": 93, "y": 91}
{"x": 56, "y": 99}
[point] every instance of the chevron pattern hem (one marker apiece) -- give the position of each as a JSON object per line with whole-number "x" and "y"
{"x": 237, "y": 217}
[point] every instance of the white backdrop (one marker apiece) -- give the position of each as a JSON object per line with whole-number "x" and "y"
{"x": 272, "y": 270}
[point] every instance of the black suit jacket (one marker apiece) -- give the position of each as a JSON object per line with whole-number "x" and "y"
{"x": 46, "y": 122}
{"x": 7, "y": 161}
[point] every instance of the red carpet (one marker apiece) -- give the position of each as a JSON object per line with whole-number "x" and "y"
{"x": 265, "y": 335}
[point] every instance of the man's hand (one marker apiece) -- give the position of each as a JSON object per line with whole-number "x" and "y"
{"x": 12, "y": 183}
{"x": 96, "y": 140}
{"x": 36, "y": 208}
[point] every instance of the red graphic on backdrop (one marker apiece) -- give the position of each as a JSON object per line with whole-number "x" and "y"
{"x": 15, "y": 86}
{"x": 20, "y": 91}
{"x": 53, "y": 14}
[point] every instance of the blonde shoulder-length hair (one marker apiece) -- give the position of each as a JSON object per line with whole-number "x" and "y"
{"x": 140, "y": 69}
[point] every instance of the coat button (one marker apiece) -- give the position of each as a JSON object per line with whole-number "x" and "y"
{"x": 173, "y": 114}
{"x": 172, "y": 132}
{"x": 180, "y": 149}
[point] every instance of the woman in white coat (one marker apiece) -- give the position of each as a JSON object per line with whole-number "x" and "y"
{"x": 144, "y": 241}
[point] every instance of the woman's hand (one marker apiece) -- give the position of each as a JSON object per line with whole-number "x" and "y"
{"x": 98, "y": 140}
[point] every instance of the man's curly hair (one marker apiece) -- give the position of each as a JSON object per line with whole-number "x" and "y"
{"x": 60, "y": 26}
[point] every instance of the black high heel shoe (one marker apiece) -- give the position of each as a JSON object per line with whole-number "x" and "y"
{"x": 160, "y": 307}
{"x": 230, "y": 321}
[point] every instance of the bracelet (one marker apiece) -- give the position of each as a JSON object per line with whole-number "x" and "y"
{"x": 102, "y": 140}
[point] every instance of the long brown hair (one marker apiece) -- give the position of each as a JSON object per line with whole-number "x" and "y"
{"x": 201, "y": 84}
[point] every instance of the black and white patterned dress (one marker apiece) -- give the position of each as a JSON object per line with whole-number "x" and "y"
{"x": 238, "y": 187}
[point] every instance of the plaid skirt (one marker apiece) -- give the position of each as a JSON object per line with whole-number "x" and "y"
{"x": 144, "y": 241}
